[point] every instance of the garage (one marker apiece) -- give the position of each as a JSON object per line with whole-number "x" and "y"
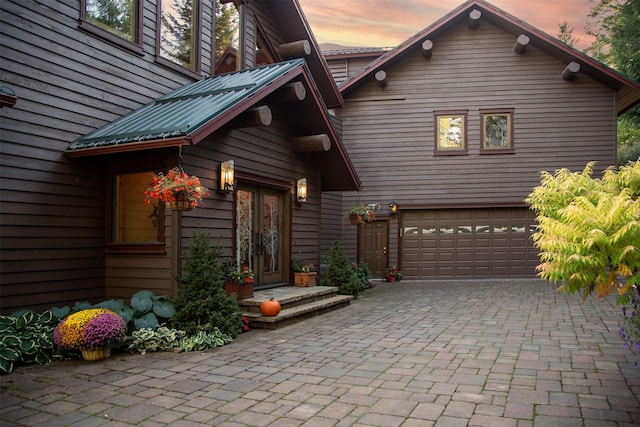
{"x": 468, "y": 243}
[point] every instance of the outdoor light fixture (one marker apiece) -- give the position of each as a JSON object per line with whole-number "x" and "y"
{"x": 301, "y": 191}
{"x": 393, "y": 208}
{"x": 227, "y": 176}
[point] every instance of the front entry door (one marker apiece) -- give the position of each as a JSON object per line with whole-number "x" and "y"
{"x": 374, "y": 247}
{"x": 259, "y": 231}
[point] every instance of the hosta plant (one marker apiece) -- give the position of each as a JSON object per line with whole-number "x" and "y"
{"x": 27, "y": 338}
{"x": 149, "y": 339}
{"x": 208, "y": 337}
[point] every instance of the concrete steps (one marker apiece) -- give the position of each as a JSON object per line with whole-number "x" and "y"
{"x": 297, "y": 304}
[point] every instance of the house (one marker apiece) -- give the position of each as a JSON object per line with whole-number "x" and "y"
{"x": 452, "y": 128}
{"x": 346, "y": 62}
{"x": 444, "y": 135}
{"x": 97, "y": 103}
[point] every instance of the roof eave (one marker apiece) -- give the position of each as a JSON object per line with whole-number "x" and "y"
{"x": 128, "y": 147}
{"x": 299, "y": 29}
{"x": 509, "y": 23}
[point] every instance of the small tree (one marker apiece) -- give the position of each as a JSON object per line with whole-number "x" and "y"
{"x": 202, "y": 301}
{"x": 589, "y": 230}
{"x": 340, "y": 272}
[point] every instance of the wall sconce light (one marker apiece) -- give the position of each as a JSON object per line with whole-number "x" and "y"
{"x": 393, "y": 208}
{"x": 227, "y": 173}
{"x": 301, "y": 191}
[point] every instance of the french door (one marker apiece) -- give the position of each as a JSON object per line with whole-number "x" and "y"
{"x": 259, "y": 233}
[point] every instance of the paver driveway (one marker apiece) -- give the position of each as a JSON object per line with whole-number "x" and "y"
{"x": 450, "y": 353}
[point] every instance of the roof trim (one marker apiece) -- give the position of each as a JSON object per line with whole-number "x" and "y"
{"x": 507, "y": 22}
{"x": 128, "y": 147}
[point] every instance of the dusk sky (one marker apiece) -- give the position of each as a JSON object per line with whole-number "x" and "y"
{"x": 387, "y": 23}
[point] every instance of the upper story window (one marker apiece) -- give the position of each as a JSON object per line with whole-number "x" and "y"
{"x": 497, "y": 131}
{"x": 179, "y": 34}
{"x": 119, "y": 21}
{"x": 450, "y": 132}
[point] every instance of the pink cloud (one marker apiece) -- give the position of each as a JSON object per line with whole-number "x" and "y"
{"x": 390, "y": 22}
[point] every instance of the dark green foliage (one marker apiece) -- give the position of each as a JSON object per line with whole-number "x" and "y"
{"x": 27, "y": 338}
{"x": 147, "y": 310}
{"x": 362, "y": 273}
{"x": 201, "y": 297}
{"x": 340, "y": 272}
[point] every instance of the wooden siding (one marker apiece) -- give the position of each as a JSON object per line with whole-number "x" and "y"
{"x": 53, "y": 210}
{"x": 389, "y": 133}
{"x": 263, "y": 152}
{"x": 343, "y": 69}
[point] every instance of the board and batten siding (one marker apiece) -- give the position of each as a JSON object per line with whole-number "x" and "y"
{"x": 389, "y": 132}
{"x": 53, "y": 209}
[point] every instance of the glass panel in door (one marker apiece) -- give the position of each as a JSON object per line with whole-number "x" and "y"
{"x": 259, "y": 226}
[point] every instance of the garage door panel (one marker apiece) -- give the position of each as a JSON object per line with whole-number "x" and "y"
{"x": 450, "y": 243}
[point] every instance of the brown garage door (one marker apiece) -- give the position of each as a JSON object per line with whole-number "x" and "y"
{"x": 468, "y": 243}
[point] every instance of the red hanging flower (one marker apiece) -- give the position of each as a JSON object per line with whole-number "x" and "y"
{"x": 166, "y": 187}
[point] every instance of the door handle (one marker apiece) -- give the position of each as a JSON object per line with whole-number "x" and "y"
{"x": 384, "y": 250}
{"x": 259, "y": 246}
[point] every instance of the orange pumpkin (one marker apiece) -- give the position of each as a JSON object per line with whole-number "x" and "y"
{"x": 270, "y": 307}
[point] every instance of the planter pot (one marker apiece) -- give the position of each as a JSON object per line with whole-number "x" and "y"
{"x": 355, "y": 219}
{"x": 181, "y": 203}
{"x": 304, "y": 280}
{"x": 96, "y": 353}
{"x": 391, "y": 279}
{"x": 241, "y": 291}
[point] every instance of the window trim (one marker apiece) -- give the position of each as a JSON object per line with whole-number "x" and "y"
{"x": 111, "y": 246}
{"x": 496, "y": 111}
{"x": 436, "y": 128}
{"x": 135, "y": 47}
{"x": 195, "y": 72}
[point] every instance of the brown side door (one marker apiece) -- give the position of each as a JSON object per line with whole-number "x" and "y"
{"x": 373, "y": 245}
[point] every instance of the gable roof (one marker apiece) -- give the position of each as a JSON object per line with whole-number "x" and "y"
{"x": 189, "y": 114}
{"x": 627, "y": 89}
{"x": 291, "y": 22}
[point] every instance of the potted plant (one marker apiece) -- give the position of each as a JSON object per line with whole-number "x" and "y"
{"x": 360, "y": 214}
{"x": 93, "y": 332}
{"x": 393, "y": 275}
{"x": 180, "y": 191}
{"x": 304, "y": 274}
{"x": 240, "y": 283}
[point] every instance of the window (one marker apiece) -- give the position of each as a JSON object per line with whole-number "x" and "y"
{"x": 135, "y": 226}
{"x": 497, "y": 131}
{"x": 119, "y": 21}
{"x": 178, "y": 33}
{"x": 451, "y": 132}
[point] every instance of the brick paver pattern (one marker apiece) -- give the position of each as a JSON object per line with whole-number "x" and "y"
{"x": 415, "y": 353}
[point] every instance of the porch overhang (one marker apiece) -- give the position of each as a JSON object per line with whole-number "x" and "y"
{"x": 191, "y": 113}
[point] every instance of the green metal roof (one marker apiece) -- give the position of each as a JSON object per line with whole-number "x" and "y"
{"x": 183, "y": 111}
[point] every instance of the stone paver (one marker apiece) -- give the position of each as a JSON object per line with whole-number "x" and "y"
{"x": 433, "y": 353}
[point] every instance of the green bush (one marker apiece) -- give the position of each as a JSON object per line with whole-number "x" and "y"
{"x": 201, "y": 296}
{"x": 341, "y": 273}
{"x": 27, "y": 337}
{"x": 150, "y": 339}
{"x": 207, "y": 337}
{"x": 147, "y": 310}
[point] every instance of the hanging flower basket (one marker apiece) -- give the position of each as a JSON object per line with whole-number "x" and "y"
{"x": 179, "y": 191}
{"x": 360, "y": 214}
{"x": 181, "y": 203}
